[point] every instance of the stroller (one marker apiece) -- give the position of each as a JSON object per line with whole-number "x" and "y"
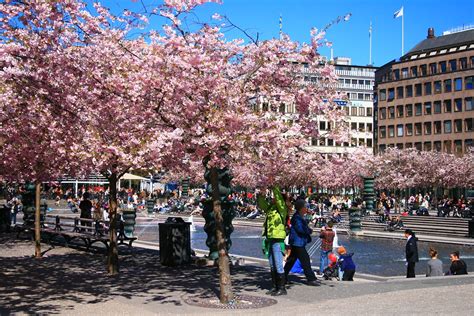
{"x": 331, "y": 271}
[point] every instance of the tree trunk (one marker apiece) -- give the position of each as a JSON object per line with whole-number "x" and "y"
{"x": 226, "y": 294}
{"x": 112, "y": 259}
{"x": 37, "y": 221}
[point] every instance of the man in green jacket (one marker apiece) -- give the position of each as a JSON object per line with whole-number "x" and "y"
{"x": 274, "y": 234}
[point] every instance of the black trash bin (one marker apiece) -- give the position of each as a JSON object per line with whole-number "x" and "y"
{"x": 471, "y": 228}
{"x": 175, "y": 242}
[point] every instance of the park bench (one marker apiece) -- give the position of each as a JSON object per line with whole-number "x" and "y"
{"x": 88, "y": 230}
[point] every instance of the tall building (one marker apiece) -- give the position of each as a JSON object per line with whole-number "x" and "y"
{"x": 425, "y": 99}
{"x": 358, "y": 83}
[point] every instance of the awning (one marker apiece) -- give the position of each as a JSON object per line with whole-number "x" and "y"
{"x": 129, "y": 176}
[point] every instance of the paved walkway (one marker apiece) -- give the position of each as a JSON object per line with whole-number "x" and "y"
{"x": 72, "y": 282}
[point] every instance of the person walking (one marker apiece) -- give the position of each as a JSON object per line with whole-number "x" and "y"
{"x": 327, "y": 238}
{"x": 300, "y": 235}
{"x": 411, "y": 252}
{"x": 434, "y": 266}
{"x": 274, "y": 234}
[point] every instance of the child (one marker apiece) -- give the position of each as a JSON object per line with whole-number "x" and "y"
{"x": 346, "y": 264}
{"x": 331, "y": 271}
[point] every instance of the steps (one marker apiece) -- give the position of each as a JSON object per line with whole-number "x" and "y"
{"x": 427, "y": 225}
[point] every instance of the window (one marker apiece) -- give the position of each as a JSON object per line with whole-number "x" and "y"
{"x": 347, "y": 81}
{"x": 437, "y": 127}
{"x": 367, "y": 97}
{"x": 458, "y": 84}
{"x": 447, "y": 146}
{"x": 361, "y": 142}
{"x": 400, "y": 130}
{"x": 468, "y": 143}
{"x": 369, "y": 127}
{"x": 383, "y": 132}
{"x": 457, "y": 105}
{"x": 437, "y": 107}
{"x": 417, "y": 128}
{"x": 361, "y": 82}
{"x": 453, "y": 64}
{"x": 404, "y": 73}
{"x": 360, "y": 96}
{"x": 468, "y": 124}
{"x": 409, "y": 110}
{"x": 409, "y": 91}
{"x": 423, "y": 70}
{"x": 468, "y": 82}
{"x": 399, "y": 110}
{"x": 427, "y": 108}
{"x": 437, "y": 87}
{"x": 414, "y": 71}
{"x": 399, "y": 92}
{"x": 361, "y": 111}
{"x": 391, "y": 112}
{"x": 408, "y": 145}
{"x": 457, "y": 126}
{"x": 391, "y": 94}
{"x": 418, "y": 109}
{"x": 418, "y": 146}
{"x": 428, "y": 88}
{"x": 447, "y": 127}
{"x": 418, "y": 89}
{"x": 382, "y": 148}
{"x": 330, "y": 142}
{"x": 369, "y": 112}
{"x": 354, "y": 81}
{"x": 442, "y": 66}
{"x": 369, "y": 142}
{"x": 367, "y": 82}
{"x": 437, "y": 146}
{"x": 353, "y": 111}
{"x": 353, "y": 126}
{"x": 396, "y": 74}
{"x": 468, "y": 103}
{"x": 409, "y": 129}
{"x": 322, "y": 125}
{"x": 383, "y": 113}
{"x": 427, "y": 127}
{"x": 458, "y": 146}
{"x": 400, "y": 146}
{"x": 427, "y": 146}
{"x": 322, "y": 142}
{"x": 346, "y": 109}
{"x": 447, "y": 106}
{"x": 391, "y": 131}
{"x": 383, "y": 95}
{"x": 433, "y": 69}
{"x": 463, "y": 63}
{"x": 447, "y": 85}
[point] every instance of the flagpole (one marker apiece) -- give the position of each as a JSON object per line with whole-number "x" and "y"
{"x": 370, "y": 44}
{"x": 403, "y": 17}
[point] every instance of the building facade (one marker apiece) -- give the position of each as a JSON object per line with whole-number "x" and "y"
{"x": 358, "y": 83}
{"x": 425, "y": 99}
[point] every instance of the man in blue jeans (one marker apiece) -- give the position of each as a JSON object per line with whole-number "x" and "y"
{"x": 327, "y": 237}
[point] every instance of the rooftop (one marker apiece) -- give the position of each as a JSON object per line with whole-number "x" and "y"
{"x": 448, "y": 40}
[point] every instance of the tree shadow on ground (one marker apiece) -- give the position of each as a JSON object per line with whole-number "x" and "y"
{"x": 59, "y": 281}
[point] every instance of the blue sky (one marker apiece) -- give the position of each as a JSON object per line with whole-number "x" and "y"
{"x": 351, "y": 38}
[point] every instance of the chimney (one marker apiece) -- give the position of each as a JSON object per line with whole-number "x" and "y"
{"x": 431, "y": 33}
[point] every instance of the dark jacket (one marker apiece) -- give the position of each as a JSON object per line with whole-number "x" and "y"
{"x": 411, "y": 250}
{"x": 346, "y": 262}
{"x": 458, "y": 267}
{"x": 300, "y": 233}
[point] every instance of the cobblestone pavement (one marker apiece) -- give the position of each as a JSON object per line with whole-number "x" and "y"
{"x": 73, "y": 282}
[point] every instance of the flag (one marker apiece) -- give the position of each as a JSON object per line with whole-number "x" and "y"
{"x": 370, "y": 29}
{"x": 398, "y": 13}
